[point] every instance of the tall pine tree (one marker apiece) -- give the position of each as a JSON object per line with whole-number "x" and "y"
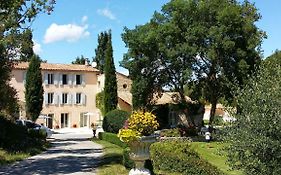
{"x": 100, "y": 50}
{"x": 110, "y": 84}
{"x": 34, "y": 89}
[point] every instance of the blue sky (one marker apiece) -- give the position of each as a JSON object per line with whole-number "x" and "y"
{"x": 72, "y": 29}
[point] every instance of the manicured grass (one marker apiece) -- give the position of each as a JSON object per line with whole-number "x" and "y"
{"x": 11, "y": 157}
{"x": 212, "y": 152}
{"x": 111, "y": 163}
{"x": 6, "y": 157}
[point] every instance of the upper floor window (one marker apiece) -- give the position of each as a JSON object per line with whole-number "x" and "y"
{"x": 64, "y": 78}
{"x": 78, "y": 98}
{"x": 50, "y": 78}
{"x": 78, "y": 79}
{"x": 50, "y": 98}
{"x": 64, "y": 98}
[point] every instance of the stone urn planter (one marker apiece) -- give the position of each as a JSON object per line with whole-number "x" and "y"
{"x": 139, "y": 153}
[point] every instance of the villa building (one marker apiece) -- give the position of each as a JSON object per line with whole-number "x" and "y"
{"x": 69, "y": 93}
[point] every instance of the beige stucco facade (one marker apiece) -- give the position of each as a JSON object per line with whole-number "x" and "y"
{"x": 69, "y": 96}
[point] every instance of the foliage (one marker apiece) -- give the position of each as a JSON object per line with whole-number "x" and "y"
{"x": 177, "y": 156}
{"x": 26, "y": 46}
{"x": 128, "y": 135}
{"x": 213, "y": 43}
{"x": 139, "y": 124}
{"x": 103, "y": 39}
{"x": 114, "y": 120}
{"x": 17, "y": 138}
{"x": 218, "y": 121}
{"x": 111, "y": 160}
{"x": 112, "y": 138}
{"x": 100, "y": 102}
{"x": 255, "y": 136}
{"x": 80, "y": 60}
{"x": 162, "y": 115}
{"x": 15, "y": 19}
{"x": 127, "y": 162}
{"x": 170, "y": 133}
{"x": 110, "y": 82}
{"x": 34, "y": 89}
{"x": 143, "y": 122}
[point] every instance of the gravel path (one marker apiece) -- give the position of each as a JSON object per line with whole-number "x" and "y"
{"x": 71, "y": 153}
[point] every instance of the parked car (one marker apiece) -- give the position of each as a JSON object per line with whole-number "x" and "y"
{"x": 30, "y": 124}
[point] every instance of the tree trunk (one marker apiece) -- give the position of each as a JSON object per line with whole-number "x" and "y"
{"x": 213, "y": 110}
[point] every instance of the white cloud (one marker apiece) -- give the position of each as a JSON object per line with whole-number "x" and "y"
{"x": 36, "y": 47}
{"x": 68, "y": 32}
{"x": 84, "y": 19}
{"x": 107, "y": 13}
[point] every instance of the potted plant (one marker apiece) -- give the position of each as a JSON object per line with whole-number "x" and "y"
{"x": 137, "y": 133}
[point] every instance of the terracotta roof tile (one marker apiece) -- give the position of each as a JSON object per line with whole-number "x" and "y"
{"x": 64, "y": 67}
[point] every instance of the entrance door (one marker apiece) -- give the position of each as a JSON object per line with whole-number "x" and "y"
{"x": 49, "y": 121}
{"x": 64, "y": 120}
{"x": 83, "y": 120}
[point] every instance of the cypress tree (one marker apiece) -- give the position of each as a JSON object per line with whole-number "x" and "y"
{"x": 100, "y": 50}
{"x": 34, "y": 89}
{"x": 110, "y": 84}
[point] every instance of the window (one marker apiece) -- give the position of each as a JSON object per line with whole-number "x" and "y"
{"x": 78, "y": 98}
{"x": 50, "y": 98}
{"x": 64, "y": 98}
{"x": 124, "y": 86}
{"x": 78, "y": 79}
{"x": 64, "y": 119}
{"x": 50, "y": 78}
{"x": 64, "y": 79}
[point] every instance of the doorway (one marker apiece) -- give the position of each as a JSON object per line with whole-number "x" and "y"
{"x": 64, "y": 120}
{"x": 49, "y": 121}
{"x": 83, "y": 119}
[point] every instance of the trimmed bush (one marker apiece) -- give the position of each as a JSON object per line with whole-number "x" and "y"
{"x": 127, "y": 162}
{"x": 114, "y": 120}
{"x": 112, "y": 138}
{"x": 177, "y": 157}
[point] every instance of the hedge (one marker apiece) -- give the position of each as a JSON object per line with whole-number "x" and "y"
{"x": 112, "y": 138}
{"x": 114, "y": 120}
{"x": 177, "y": 157}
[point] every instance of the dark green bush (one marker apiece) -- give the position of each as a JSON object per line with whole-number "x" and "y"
{"x": 177, "y": 157}
{"x": 170, "y": 133}
{"x": 112, "y": 138}
{"x": 114, "y": 120}
{"x": 127, "y": 162}
{"x": 14, "y": 137}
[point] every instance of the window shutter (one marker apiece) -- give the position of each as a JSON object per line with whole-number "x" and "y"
{"x": 60, "y": 78}
{"x": 60, "y": 98}
{"x": 46, "y": 78}
{"x": 83, "y": 80}
{"x": 46, "y": 99}
{"x": 69, "y": 98}
{"x": 74, "y": 79}
{"x": 56, "y": 79}
{"x": 74, "y": 98}
{"x": 24, "y": 77}
{"x": 83, "y": 99}
{"x": 69, "y": 79}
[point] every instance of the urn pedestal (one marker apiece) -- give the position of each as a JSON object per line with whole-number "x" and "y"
{"x": 140, "y": 153}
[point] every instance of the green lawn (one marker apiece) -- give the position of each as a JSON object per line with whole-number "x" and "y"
{"x": 6, "y": 157}
{"x": 11, "y": 157}
{"x": 213, "y": 154}
{"x": 111, "y": 163}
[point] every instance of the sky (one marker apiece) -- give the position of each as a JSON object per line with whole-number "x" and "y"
{"x": 73, "y": 27}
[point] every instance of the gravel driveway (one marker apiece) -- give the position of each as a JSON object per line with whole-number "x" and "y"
{"x": 71, "y": 153}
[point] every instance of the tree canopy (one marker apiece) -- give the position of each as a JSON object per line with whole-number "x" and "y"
{"x": 100, "y": 51}
{"x": 110, "y": 82}
{"x": 255, "y": 135}
{"x": 80, "y": 60}
{"x": 15, "y": 18}
{"x": 34, "y": 89}
{"x": 212, "y": 43}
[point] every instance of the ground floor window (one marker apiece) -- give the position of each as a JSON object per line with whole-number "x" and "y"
{"x": 83, "y": 119}
{"x": 64, "y": 119}
{"x": 49, "y": 120}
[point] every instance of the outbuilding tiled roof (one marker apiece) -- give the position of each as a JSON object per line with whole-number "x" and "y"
{"x": 58, "y": 67}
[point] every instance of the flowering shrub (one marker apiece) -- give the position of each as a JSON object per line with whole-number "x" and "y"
{"x": 139, "y": 124}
